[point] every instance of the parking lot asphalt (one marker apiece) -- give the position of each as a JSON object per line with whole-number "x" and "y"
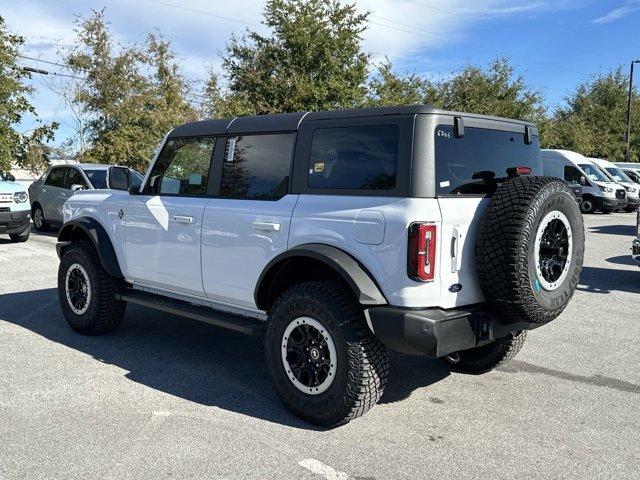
{"x": 165, "y": 397}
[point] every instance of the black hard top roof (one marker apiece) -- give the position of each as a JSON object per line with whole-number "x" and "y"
{"x": 279, "y": 122}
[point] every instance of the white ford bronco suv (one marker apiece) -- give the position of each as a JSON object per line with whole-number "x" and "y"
{"x": 338, "y": 236}
{"x": 15, "y": 212}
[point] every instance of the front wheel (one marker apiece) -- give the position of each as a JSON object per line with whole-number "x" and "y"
{"x": 587, "y": 206}
{"x": 324, "y": 363}
{"x": 20, "y": 237}
{"x": 483, "y": 359}
{"x": 86, "y": 291}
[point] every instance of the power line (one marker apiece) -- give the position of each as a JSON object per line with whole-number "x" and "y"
{"x": 43, "y": 61}
{"x": 203, "y": 12}
{"x": 46, "y": 72}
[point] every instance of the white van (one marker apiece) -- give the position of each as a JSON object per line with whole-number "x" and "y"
{"x": 615, "y": 174}
{"x": 598, "y": 192}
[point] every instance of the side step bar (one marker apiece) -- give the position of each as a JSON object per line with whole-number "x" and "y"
{"x": 236, "y": 323}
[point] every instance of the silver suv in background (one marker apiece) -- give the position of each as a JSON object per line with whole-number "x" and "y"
{"x": 59, "y": 182}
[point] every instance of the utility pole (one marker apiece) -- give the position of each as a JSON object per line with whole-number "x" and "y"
{"x": 633, "y": 62}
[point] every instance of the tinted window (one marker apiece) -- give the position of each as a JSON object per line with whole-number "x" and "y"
{"x": 56, "y": 177}
{"x": 477, "y": 162}
{"x": 572, "y": 174}
{"x": 182, "y": 167}
{"x": 257, "y": 166}
{"x": 354, "y": 157}
{"x": 98, "y": 178}
{"x": 74, "y": 177}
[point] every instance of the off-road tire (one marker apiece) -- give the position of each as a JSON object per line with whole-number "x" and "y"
{"x": 483, "y": 359}
{"x": 20, "y": 237}
{"x": 104, "y": 313}
{"x": 362, "y": 363}
{"x": 42, "y": 226}
{"x": 505, "y": 251}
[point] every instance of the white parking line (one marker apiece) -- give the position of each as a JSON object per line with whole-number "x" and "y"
{"x": 320, "y": 468}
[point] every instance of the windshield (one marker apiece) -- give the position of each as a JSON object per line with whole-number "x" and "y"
{"x": 98, "y": 178}
{"x": 618, "y": 175}
{"x": 593, "y": 173}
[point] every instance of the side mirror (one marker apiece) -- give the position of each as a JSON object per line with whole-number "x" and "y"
{"x": 75, "y": 187}
{"x": 118, "y": 178}
{"x": 10, "y": 177}
{"x": 583, "y": 181}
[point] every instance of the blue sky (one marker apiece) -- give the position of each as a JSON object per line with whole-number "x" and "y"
{"x": 555, "y": 44}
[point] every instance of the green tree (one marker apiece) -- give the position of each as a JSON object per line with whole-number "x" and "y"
{"x": 25, "y": 149}
{"x": 133, "y": 95}
{"x": 496, "y": 90}
{"x": 311, "y": 61}
{"x": 388, "y": 88}
{"x": 593, "y": 121}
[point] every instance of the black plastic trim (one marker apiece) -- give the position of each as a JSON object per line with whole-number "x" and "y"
{"x": 354, "y": 274}
{"x": 437, "y": 332}
{"x": 100, "y": 238}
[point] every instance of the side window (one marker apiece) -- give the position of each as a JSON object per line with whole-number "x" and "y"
{"x": 182, "y": 167}
{"x": 572, "y": 174}
{"x": 363, "y": 158}
{"x": 477, "y": 162}
{"x": 74, "y": 177}
{"x": 56, "y": 177}
{"x": 257, "y": 166}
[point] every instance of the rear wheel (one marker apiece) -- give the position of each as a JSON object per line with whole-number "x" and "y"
{"x": 86, "y": 291}
{"x": 324, "y": 363}
{"x": 483, "y": 359}
{"x": 38, "y": 219}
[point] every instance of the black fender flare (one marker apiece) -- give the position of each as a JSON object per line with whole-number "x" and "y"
{"x": 98, "y": 236}
{"x": 351, "y": 270}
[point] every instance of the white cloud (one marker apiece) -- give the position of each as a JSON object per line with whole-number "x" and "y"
{"x": 619, "y": 13}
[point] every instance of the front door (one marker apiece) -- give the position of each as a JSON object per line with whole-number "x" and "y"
{"x": 247, "y": 224}
{"x": 54, "y": 194}
{"x": 164, "y": 224}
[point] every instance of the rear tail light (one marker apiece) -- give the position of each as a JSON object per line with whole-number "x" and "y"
{"x": 422, "y": 252}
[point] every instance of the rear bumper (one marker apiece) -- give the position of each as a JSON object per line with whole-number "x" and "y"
{"x": 436, "y": 332}
{"x": 635, "y": 249}
{"x": 14, "y": 222}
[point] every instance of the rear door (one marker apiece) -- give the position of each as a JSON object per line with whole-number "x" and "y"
{"x": 468, "y": 169}
{"x": 164, "y": 224}
{"x": 247, "y": 223}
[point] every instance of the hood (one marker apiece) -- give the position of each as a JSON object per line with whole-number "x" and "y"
{"x": 11, "y": 187}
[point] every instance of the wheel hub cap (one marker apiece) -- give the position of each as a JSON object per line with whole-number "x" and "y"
{"x": 78, "y": 289}
{"x": 553, "y": 250}
{"x": 309, "y": 355}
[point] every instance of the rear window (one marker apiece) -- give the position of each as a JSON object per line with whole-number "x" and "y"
{"x": 476, "y": 163}
{"x": 364, "y": 158}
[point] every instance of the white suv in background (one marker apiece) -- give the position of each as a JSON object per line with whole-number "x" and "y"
{"x": 14, "y": 209}
{"x": 338, "y": 236}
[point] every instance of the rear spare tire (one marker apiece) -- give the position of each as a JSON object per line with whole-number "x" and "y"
{"x": 530, "y": 249}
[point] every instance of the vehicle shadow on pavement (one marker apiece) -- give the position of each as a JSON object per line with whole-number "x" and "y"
{"x": 626, "y": 230}
{"x": 191, "y": 360}
{"x": 607, "y": 280}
